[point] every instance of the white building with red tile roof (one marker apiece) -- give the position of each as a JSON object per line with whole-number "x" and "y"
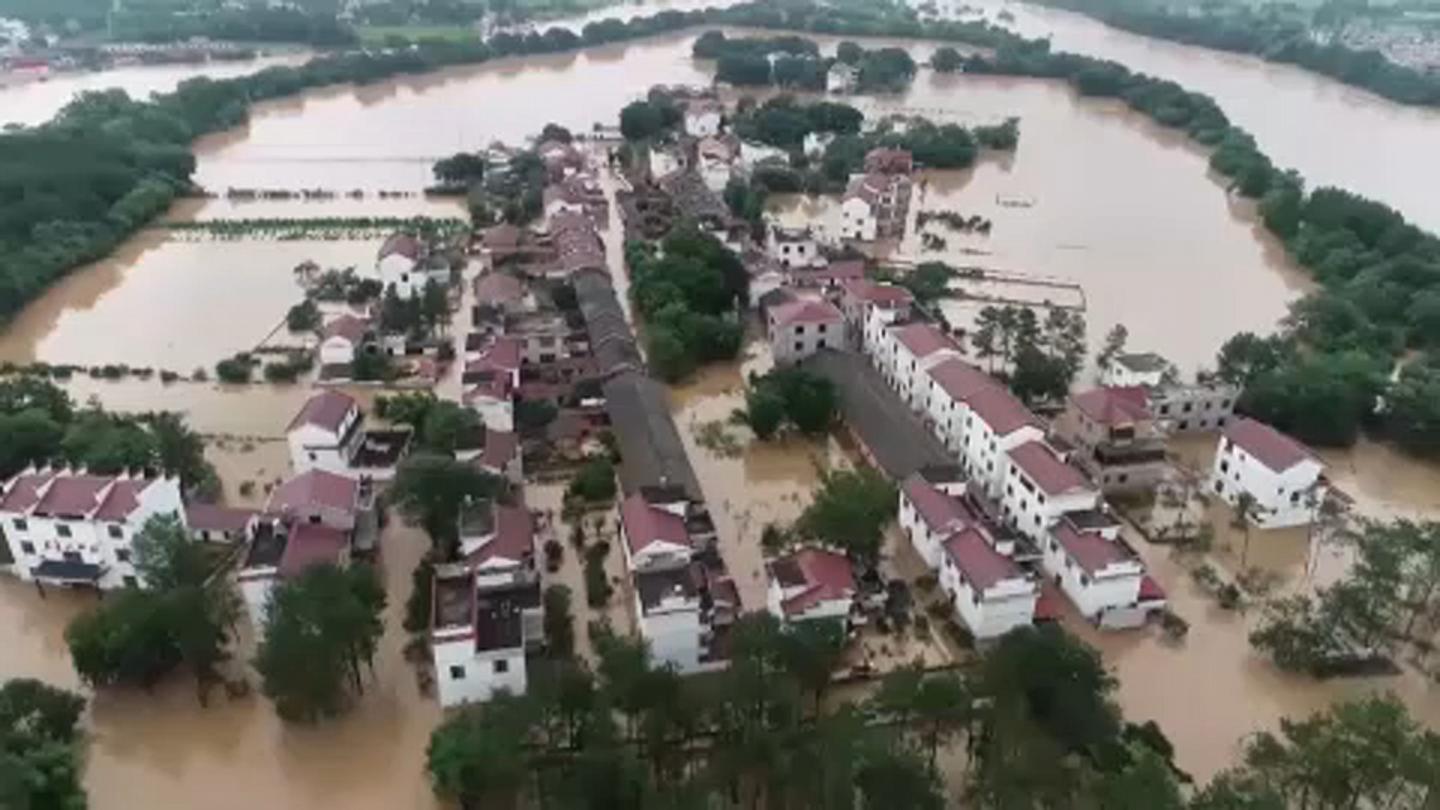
{"x": 341, "y": 338}
{"x": 869, "y": 307}
{"x": 991, "y": 594}
{"x": 69, "y": 527}
{"x": 810, "y": 583}
{"x": 403, "y": 263}
{"x": 1284, "y": 477}
{"x": 1041, "y": 487}
{"x": 1100, "y": 574}
{"x": 325, "y": 433}
{"x": 906, "y": 353}
{"x": 799, "y": 328}
{"x": 929, "y": 513}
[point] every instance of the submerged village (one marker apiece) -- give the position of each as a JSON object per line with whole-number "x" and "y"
{"x": 708, "y": 456}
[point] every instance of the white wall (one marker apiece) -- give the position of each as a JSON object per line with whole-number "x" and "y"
{"x": 463, "y": 675}
{"x": 1005, "y": 606}
{"x": 1117, "y": 586}
{"x": 792, "y": 343}
{"x": 926, "y": 542}
{"x": 401, "y": 272}
{"x": 702, "y": 124}
{"x": 824, "y": 609}
{"x": 1285, "y": 499}
{"x": 857, "y": 221}
{"x": 674, "y": 636}
{"x": 1120, "y": 375}
{"x": 336, "y": 349}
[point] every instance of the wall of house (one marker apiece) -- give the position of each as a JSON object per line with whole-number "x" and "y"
{"x": 1119, "y": 375}
{"x": 463, "y": 675}
{"x": 857, "y": 221}
{"x": 799, "y": 253}
{"x": 1116, "y": 587}
{"x": 314, "y": 449}
{"x": 1188, "y": 408}
{"x": 335, "y": 350}
{"x": 1285, "y": 499}
{"x": 401, "y": 272}
{"x": 1033, "y": 511}
{"x": 790, "y": 344}
{"x": 995, "y": 612}
{"x": 925, "y": 542}
{"x": 703, "y": 125}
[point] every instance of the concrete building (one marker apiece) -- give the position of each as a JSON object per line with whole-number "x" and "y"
{"x": 1101, "y": 575}
{"x": 793, "y": 247}
{"x": 1041, "y": 488}
{"x": 212, "y": 523}
{"x": 703, "y": 118}
{"x": 1190, "y": 408}
{"x": 1115, "y": 436}
{"x": 1283, "y": 477}
{"x": 799, "y": 328}
{"x": 329, "y": 434}
{"x": 874, "y": 207}
{"x": 68, "y": 527}
{"x": 341, "y": 338}
{"x": 906, "y": 353}
{"x": 991, "y": 594}
{"x": 1143, "y": 368}
{"x": 869, "y": 307}
{"x": 479, "y": 634}
{"x": 810, "y": 583}
{"x": 842, "y": 78}
{"x": 404, "y": 262}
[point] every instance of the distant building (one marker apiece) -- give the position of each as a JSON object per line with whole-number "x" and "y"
{"x": 798, "y": 329}
{"x": 329, "y": 434}
{"x": 69, "y": 527}
{"x": 342, "y": 338}
{"x": 405, "y": 263}
{"x": 717, "y": 159}
{"x": 793, "y": 247}
{"x": 703, "y": 118}
{"x": 1146, "y": 368}
{"x": 1284, "y": 478}
{"x": 889, "y": 160}
{"x": 811, "y": 583}
{"x": 869, "y": 307}
{"x": 1115, "y": 436}
{"x": 842, "y": 78}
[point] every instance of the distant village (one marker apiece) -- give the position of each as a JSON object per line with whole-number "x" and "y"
{"x": 1009, "y": 511}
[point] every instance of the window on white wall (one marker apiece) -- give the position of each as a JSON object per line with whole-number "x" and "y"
{"x": 501, "y": 666}
{"x": 457, "y": 672}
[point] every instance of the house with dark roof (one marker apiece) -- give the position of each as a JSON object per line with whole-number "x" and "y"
{"x": 1285, "y": 480}
{"x": 1101, "y": 574}
{"x": 1041, "y": 487}
{"x": 328, "y": 433}
{"x": 800, "y": 327}
{"x": 72, "y": 528}
{"x": 1115, "y": 437}
{"x": 811, "y": 583}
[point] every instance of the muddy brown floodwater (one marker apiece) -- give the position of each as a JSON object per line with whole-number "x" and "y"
{"x": 1121, "y": 206}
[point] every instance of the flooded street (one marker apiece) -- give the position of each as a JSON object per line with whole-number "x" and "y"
{"x": 1121, "y": 206}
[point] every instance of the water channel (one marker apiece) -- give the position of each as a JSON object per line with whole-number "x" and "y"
{"x": 1122, "y": 207}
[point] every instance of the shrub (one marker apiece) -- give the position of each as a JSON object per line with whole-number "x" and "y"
{"x": 235, "y": 370}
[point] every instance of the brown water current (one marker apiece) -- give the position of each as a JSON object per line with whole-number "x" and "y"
{"x": 1121, "y": 206}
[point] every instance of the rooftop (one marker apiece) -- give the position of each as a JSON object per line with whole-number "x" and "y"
{"x": 805, "y": 311}
{"x": 1090, "y": 551}
{"x": 959, "y": 379}
{"x": 824, "y": 575}
{"x": 655, "y": 586}
{"x": 1001, "y": 410}
{"x": 402, "y": 244}
{"x": 940, "y": 512}
{"x": 871, "y": 292}
{"x": 326, "y": 410}
{"x": 314, "y": 489}
{"x": 1142, "y": 362}
{"x": 646, "y": 524}
{"x": 924, "y": 339}
{"x": 982, "y": 566}
{"x": 216, "y": 518}
{"x": 347, "y": 326}
{"x": 499, "y": 615}
{"x": 1039, "y": 462}
{"x": 1269, "y": 446}
{"x": 498, "y": 289}
{"x": 312, "y": 544}
{"x": 1114, "y": 405}
{"x": 512, "y": 536}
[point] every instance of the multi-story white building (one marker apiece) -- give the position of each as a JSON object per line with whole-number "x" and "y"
{"x": 1100, "y": 574}
{"x": 341, "y": 338}
{"x": 1040, "y": 488}
{"x": 405, "y": 263}
{"x": 869, "y": 307}
{"x": 906, "y": 354}
{"x": 991, "y": 594}
{"x": 325, "y": 433}
{"x": 677, "y": 596}
{"x": 996, "y": 423}
{"x": 811, "y": 583}
{"x": 1284, "y": 479}
{"x": 1144, "y": 368}
{"x": 930, "y": 513}
{"x": 799, "y": 328}
{"x": 68, "y": 527}
{"x": 793, "y": 247}
{"x": 487, "y": 609}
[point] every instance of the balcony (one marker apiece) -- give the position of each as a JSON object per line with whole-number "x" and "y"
{"x": 1129, "y": 454}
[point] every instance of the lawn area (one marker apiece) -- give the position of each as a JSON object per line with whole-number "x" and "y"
{"x": 377, "y": 34}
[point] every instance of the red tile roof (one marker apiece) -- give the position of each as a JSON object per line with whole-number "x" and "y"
{"x": 824, "y": 576}
{"x": 326, "y": 409}
{"x": 72, "y": 495}
{"x": 1268, "y": 445}
{"x": 502, "y": 236}
{"x": 792, "y": 312}
{"x": 500, "y": 448}
{"x": 498, "y": 288}
{"x": 889, "y": 160}
{"x": 497, "y": 387}
{"x": 402, "y": 244}
{"x": 315, "y": 488}
{"x": 503, "y": 354}
{"x": 1115, "y": 405}
{"x": 982, "y": 566}
{"x": 1049, "y": 606}
{"x": 646, "y": 524}
{"x": 1150, "y": 590}
{"x": 216, "y": 518}
{"x": 347, "y": 326}
{"x": 1042, "y": 466}
{"x": 959, "y": 379}
{"x": 1001, "y": 410}
{"x": 122, "y": 499}
{"x": 923, "y": 339}
{"x": 1090, "y": 551}
{"x": 514, "y": 537}
{"x": 886, "y": 295}
{"x": 940, "y": 512}
{"x": 23, "y": 491}
{"x": 312, "y": 544}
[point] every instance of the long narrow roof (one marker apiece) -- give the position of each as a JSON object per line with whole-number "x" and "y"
{"x": 1090, "y": 551}
{"x": 982, "y": 566}
{"x": 646, "y": 524}
{"x": 940, "y": 512}
{"x": 1039, "y": 462}
{"x": 1269, "y": 446}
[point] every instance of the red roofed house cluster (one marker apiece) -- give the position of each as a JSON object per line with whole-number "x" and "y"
{"x": 329, "y": 434}
{"x": 1116, "y": 437}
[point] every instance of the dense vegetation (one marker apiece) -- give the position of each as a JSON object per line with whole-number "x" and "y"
{"x": 790, "y": 397}
{"x": 40, "y": 747}
{"x": 433, "y": 489}
{"x": 689, "y": 295}
{"x": 182, "y": 616}
{"x": 40, "y": 424}
{"x": 1039, "y": 359}
{"x": 1276, "y": 37}
{"x": 850, "y": 512}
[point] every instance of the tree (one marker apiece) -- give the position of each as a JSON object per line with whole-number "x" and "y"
{"x": 595, "y": 482}
{"x": 125, "y": 641}
{"x": 478, "y": 756}
{"x": 449, "y": 426}
{"x": 850, "y": 512}
{"x": 849, "y": 52}
{"x": 810, "y": 651}
{"x": 319, "y": 628}
{"x": 303, "y": 317}
{"x": 947, "y": 60}
{"x": 640, "y": 120}
{"x": 764, "y": 410}
{"x": 432, "y": 489}
{"x": 40, "y": 760}
{"x": 559, "y": 623}
{"x": 1114, "y": 346}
